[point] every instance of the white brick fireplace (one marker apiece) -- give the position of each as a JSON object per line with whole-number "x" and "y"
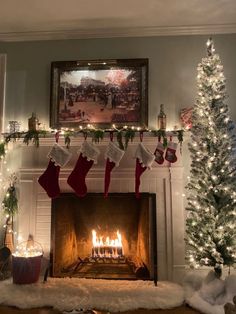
{"x": 166, "y": 181}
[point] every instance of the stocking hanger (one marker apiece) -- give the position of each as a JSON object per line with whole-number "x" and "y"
{"x": 111, "y": 136}
{"x": 141, "y": 136}
{"x": 57, "y": 135}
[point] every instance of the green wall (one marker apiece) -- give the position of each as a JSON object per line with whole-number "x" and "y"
{"x": 172, "y": 70}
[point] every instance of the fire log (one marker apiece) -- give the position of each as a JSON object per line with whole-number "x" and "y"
{"x": 138, "y": 267}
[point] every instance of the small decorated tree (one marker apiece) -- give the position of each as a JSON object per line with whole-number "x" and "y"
{"x": 10, "y": 207}
{"x": 211, "y": 219}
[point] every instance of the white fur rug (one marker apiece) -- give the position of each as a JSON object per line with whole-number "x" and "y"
{"x": 66, "y": 294}
{"x": 209, "y": 294}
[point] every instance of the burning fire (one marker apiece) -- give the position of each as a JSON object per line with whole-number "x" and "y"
{"x": 108, "y": 248}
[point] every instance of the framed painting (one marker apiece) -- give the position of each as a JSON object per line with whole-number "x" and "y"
{"x": 99, "y": 92}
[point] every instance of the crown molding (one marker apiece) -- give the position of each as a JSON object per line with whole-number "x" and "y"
{"x": 118, "y": 32}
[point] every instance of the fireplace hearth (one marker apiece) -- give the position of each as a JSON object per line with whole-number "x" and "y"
{"x": 105, "y": 238}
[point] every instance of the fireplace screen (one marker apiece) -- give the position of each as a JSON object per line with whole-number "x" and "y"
{"x": 112, "y": 238}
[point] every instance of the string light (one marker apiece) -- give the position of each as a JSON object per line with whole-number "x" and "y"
{"x": 5, "y": 177}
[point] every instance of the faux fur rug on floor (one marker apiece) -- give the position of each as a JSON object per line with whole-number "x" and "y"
{"x": 209, "y": 295}
{"x": 66, "y": 294}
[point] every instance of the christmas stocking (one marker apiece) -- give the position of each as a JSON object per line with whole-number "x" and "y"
{"x": 113, "y": 157}
{"x": 144, "y": 160}
{"x": 88, "y": 156}
{"x": 159, "y": 152}
{"x": 171, "y": 152}
{"x": 49, "y": 179}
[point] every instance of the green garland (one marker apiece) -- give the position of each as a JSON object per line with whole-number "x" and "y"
{"x": 10, "y": 201}
{"x": 97, "y": 135}
{"x": 33, "y": 136}
{"x": 67, "y": 136}
{"x": 161, "y": 134}
{"x": 28, "y": 136}
{"x": 2, "y": 150}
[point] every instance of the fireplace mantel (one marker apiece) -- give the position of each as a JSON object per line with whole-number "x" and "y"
{"x": 166, "y": 181}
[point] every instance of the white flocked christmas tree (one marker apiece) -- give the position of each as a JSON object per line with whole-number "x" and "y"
{"x": 211, "y": 209}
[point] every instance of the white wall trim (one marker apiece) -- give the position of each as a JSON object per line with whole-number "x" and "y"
{"x": 119, "y": 32}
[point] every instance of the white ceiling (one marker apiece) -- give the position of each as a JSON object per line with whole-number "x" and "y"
{"x": 57, "y": 19}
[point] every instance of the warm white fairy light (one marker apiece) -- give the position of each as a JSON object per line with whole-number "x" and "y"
{"x": 22, "y": 250}
{"x": 19, "y": 238}
{"x": 5, "y": 177}
{"x": 191, "y": 259}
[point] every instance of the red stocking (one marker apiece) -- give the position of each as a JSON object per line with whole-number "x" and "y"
{"x": 113, "y": 156}
{"x": 159, "y": 152}
{"x": 139, "y": 170}
{"x": 87, "y": 157}
{"x": 171, "y": 152}
{"x": 109, "y": 167}
{"x": 77, "y": 177}
{"x": 144, "y": 160}
{"x": 49, "y": 180}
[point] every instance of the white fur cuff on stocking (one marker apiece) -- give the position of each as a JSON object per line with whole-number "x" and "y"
{"x": 145, "y": 156}
{"x": 59, "y": 155}
{"x": 114, "y": 153}
{"x": 90, "y": 151}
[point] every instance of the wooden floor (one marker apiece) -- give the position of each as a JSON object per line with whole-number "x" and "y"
{"x": 179, "y": 310}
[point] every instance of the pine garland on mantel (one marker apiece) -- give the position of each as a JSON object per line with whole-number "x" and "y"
{"x": 126, "y": 133}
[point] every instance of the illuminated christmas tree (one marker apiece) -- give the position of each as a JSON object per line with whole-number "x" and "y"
{"x": 211, "y": 219}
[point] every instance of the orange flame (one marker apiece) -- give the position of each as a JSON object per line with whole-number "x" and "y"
{"x": 109, "y": 248}
{"x": 98, "y": 241}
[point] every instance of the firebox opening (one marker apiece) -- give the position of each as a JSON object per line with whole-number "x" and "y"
{"x": 112, "y": 238}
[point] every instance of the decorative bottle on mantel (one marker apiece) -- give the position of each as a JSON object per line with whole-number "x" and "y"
{"x": 161, "y": 123}
{"x": 33, "y": 122}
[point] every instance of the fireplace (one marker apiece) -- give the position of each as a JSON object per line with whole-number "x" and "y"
{"x": 164, "y": 181}
{"x": 109, "y": 238}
